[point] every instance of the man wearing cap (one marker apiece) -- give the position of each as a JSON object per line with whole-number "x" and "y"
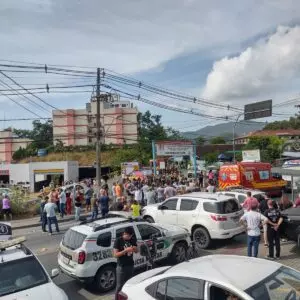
{"x": 275, "y": 218}
{"x": 252, "y": 220}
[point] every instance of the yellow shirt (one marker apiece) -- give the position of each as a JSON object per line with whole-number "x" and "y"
{"x": 135, "y": 210}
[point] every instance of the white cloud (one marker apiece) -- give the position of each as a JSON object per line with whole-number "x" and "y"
{"x": 265, "y": 68}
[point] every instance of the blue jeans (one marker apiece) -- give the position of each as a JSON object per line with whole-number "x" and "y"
{"x": 54, "y": 221}
{"x": 77, "y": 213}
{"x": 253, "y": 241}
{"x": 62, "y": 209}
{"x": 94, "y": 213}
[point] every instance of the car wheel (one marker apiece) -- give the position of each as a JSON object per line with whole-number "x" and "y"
{"x": 179, "y": 253}
{"x": 106, "y": 279}
{"x": 201, "y": 237}
{"x": 149, "y": 219}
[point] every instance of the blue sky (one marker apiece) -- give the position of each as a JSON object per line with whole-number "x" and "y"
{"x": 233, "y": 53}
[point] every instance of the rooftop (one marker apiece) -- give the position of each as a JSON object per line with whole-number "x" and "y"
{"x": 206, "y": 196}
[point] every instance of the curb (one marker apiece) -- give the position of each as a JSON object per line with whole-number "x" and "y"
{"x": 38, "y": 224}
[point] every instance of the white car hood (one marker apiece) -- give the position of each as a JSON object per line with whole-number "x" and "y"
{"x": 172, "y": 229}
{"x": 48, "y": 291}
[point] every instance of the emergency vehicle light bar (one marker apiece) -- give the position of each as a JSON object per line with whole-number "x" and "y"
{"x": 13, "y": 242}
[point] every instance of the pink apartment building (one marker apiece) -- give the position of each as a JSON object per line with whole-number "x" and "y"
{"x": 78, "y": 126}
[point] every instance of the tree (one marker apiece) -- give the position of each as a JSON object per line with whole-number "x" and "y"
{"x": 41, "y": 136}
{"x": 270, "y": 147}
{"x": 211, "y": 158}
{"x": 200, "y": 140}
{"x": 217, "y": 140}
{"x": 292, "y": 123}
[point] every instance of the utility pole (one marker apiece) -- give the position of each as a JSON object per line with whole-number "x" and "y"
{"x": 98, "y": 125}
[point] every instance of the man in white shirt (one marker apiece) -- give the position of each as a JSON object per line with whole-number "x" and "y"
{"x": 252, "y": 220}
{"x": 138, "y": 195}
{"x": 49, "y": 209}
{"x": 169, "y": 191}
{"x": 211, "y": 188}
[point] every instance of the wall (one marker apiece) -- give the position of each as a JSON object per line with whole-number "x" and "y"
{"x": 19, "y": 173}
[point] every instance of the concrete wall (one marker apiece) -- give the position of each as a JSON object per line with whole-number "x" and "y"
{"x": 26, "y": 172}
{"x": 19, "y": 173}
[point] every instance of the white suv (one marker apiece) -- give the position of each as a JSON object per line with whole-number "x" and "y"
{"x": 241, "y": 194}
{"x": 86, "y": 251}
{"x": 205, "y": 216}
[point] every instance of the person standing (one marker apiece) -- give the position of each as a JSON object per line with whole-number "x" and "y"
{"x": 88, "y": 196}
{"x": 124, "y": 248}
{"x": 263, "y": 206}
{"x": 49, "y": 209}
{"x": 113, "y": 191}
{"x": 95, "y": 206}
{"x": 6, "y": 207}
{"x": 77, "y": 205}
{"x": 275, "y": 219}
{"x": 43, "y": 213}
{"x": 118, "y": 190}
{"x": 211, "y": 188}
{"x": 138, "y": 195}
{"x": 249, "y": 202}
{"x": 136, "y": 209}
{"x": 151, "y": 196}
{"x": 160, "y": 193}
{"x": 62, "y": 202}
{"x": 104, "y": 203}
{"x": 169, "y": 191}
{"x": 252, "y": 220}
{"x": 68, "y": 203}
{"x": 201, "y": 177}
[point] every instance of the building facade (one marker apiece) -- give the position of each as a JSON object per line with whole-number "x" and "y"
{"x": 79, "y": 126}
{"x": 289, "y": 134}
{"x": 9, "y": 144}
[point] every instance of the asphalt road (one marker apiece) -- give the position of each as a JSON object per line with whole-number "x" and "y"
{"x": 46, "y": 248}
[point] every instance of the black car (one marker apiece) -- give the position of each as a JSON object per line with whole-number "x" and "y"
{"x": 290, "y": 227}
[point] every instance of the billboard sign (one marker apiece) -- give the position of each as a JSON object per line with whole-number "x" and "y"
{"x": 251, "y": 155}
{"x": 258, "y": 110}
{"x": 129, "y": 167}
{"x": 174, "y": 148}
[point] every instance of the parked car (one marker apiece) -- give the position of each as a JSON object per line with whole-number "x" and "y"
{"x": 86, "y": 251}
{"x": 241, "y": 194}
{"x": 205, "y": 216}
{"x": 291, "y": 224}
{"x": 23, "y": 277}
{"x": 216, "y": 277}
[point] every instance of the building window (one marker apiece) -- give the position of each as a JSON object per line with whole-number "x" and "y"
{"x": 116, "y": 105}
{"x": 90, "y": 140}
{"x": 124, "y": 105}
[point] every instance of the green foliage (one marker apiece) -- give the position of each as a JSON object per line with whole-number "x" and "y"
{"x": 211, "y": 158}
{"x": 292, "y": 123}
{"x": 217, "y": 140}
{"x": 270, "y": 147}
{"x": 200, "y": 140}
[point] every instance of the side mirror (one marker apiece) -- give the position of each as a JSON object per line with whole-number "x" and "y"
{"x": 54, "y": 273}
{"x": 144, "y": 250}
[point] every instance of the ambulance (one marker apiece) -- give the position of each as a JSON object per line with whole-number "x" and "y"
{"x": 251, "y": 175}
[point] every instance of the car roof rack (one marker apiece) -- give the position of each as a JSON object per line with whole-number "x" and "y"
{"x": 14, "y": 242}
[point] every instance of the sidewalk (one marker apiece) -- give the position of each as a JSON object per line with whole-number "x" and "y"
{"x": 34, "y": 222}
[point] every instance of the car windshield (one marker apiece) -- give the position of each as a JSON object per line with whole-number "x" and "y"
{"x": 21, "y": 274}
{"x": 284, "y": 284}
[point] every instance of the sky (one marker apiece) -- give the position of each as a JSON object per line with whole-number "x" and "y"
{"x": 226, "y": 52}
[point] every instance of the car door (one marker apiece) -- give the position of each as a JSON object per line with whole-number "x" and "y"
{"x": 150, "y": 233}
{"x": 167, "y": 212}
{"x": 139, "y": 260}
{"x": 188, "y": 212}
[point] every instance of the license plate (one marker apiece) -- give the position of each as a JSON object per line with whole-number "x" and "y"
{"x": 65, "y": 260}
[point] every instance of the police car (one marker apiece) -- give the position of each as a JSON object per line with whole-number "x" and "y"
{"x": 22, "y": 276}
{"x": 86, "y": 251}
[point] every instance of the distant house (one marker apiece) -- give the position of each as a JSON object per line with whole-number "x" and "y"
{"x": 290, "y": 134}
